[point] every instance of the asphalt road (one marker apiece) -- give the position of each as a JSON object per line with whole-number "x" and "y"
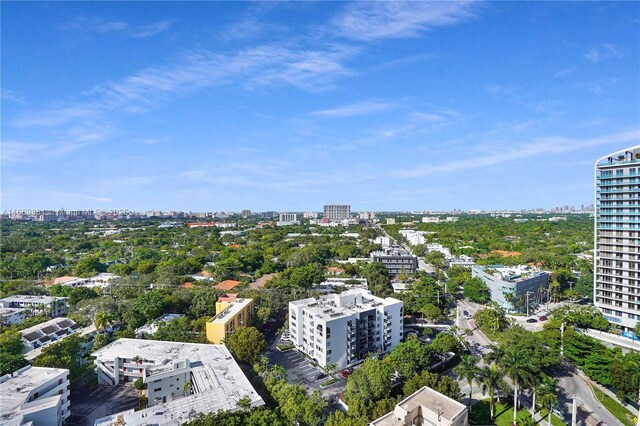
{"x": 590, "y": 411}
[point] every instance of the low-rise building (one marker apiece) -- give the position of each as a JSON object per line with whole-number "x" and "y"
{"x": 396, "y": 260}
{"x": 400, "y": 287}
{"x": 391, "y": 221}
{"x": 183, "y": 379}
{"x": 332, "y": 283}
{"x": 10, "y": 316}
{"x": 426, "y": 407}
{"x": 343, "y": 329}
{"x": 232, "y": 312}
{"x": 412, "y": 236}
{"x": 430, "y": 219}
{"x": 34, "y": 396}
{"x": 512, "y": 287}
{"x": 151, "y": 328}
{"x": 462, "y": 260}
{"x": 452, "y": 219}
{"x": 49, "y": 305}
{"x": 45, "y": 333}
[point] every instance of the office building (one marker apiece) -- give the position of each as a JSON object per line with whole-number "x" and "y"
{"x": 34, "y": 396}
{"x": 513, "y": 287}
{"x": 337, "y": 212}
{"x": 232, "y": 312}
{"x": 216, "y": 382}
{"x": 426, "y": 407}
{"x": 617, "y": 237}
{"x": 396, "y": 260}
{"x": 48, "y": 305}
{"x": 343, "y": 329}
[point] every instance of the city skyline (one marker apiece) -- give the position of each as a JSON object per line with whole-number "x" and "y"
{"x": 278, "y": 106}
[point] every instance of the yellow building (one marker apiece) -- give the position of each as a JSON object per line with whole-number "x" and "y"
{"x": 232, "y": 312}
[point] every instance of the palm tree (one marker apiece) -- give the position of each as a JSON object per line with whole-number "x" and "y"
{"x": 548, "y": 396}
{"x": 186, "y": 388}
{"x": 468, "y": 370}
{"x": 491, "y": 379}
{"x": 102, "y": 320}
{"x": 515, "y": 366}
{"x": 534, "y": 381}
{"x": 527, "y": 421}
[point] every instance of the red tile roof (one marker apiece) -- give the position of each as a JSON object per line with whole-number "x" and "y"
{"x": 227, "y": 285}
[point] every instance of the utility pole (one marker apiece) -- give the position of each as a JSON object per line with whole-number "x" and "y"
{"x": 527, "y": 295}
{"x": 574, "y": 411}
{"x": 562, "y": 339}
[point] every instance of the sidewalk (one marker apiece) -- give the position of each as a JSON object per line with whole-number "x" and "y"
{"x": 607, "y": 392}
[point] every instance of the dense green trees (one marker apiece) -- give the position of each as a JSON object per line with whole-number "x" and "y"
{"x": 247, "y": 344}
{"x": 66, "y": 353}
{"x": 476, "y": 290}
{"x": 11, "y": 358}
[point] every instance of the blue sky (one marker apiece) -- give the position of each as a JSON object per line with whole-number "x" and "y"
{"x": 288, "y": 106}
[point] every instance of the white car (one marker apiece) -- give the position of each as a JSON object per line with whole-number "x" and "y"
{"x": 286, "y": 336}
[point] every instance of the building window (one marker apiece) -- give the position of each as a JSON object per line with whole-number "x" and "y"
{"x": 59, "y": 381}
{"x": 157, "y": 389}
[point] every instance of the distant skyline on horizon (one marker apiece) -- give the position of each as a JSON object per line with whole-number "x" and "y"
{"x": 225, "y": 106}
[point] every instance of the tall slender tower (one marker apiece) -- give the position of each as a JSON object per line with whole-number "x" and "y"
{"x": 617, "y": 237}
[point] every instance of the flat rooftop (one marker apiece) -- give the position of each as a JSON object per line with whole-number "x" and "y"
{"x": 31, "y": 299}
{"x": 217, "y": 376}
{"x": 344, "y": 304}
{"x": 236, "y": 306}
{"x": 511, "y": 273}
{"x": 15, "y": 389}
{"x": 425, "y": 399}
{"x": 9, "y": 311}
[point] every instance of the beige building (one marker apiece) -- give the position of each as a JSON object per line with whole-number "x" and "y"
{"x": 232, "y": 312}
{"x": 426, "y": 407}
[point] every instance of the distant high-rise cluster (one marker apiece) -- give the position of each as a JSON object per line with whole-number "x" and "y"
{"x": 617, "y": 237}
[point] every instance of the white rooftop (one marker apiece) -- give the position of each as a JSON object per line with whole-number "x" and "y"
{"x": 31, "y": 299}
{"x": 236, "y": 306}
{"x": 15, "y": 389}
{"x": 511, "y": 273}
{"x": 346, "y": 303}
{"x": 217, "y": 376}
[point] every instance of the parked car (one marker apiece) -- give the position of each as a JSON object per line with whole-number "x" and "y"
{"x": 532, "y": 320}
{"x": 320, "y": 376}
{"x": 466, "y": 314}
{"x": 543, "y": 318}
{"x": 345, "y": 373}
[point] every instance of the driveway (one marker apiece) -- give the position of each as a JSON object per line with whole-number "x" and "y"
{"x": 90, "y": 402}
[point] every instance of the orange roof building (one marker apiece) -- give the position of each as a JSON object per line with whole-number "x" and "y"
{"x": 227, "y": 285}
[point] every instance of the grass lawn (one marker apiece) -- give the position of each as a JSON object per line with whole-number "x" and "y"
{"x": 480, "y": 415}
{"x": 614, "y": 407}
{"x": 329, "y": 382}
{"x": 285, "y": 347}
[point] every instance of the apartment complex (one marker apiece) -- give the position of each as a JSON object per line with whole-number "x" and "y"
{"x": 232, "y": 312}
{"x": 343, "y": 329}
{"x": 512, "y": 287}
{"x": 426, "y": 407}
{"x": 34, "y": 395}
{"x": 617, "y": 237}
{"x": 396, "y": 260}
{"x": 216, "y": 382}
{"x": 337, "y": 212}
{"x": 287, "y": 219}
{"x": 43, "y": 334}
{"x": 48, "y": 305}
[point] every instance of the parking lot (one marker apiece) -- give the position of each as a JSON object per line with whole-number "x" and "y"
{"x": 90, "y": 402}
{"x": 299, "y": 369}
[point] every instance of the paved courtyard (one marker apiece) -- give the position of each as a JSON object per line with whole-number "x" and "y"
{"x": 90, "y": 402}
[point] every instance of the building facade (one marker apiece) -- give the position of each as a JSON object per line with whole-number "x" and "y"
{"x": 617, "y": 237}
{"x": 396, "y": 260}
{"x": 343, "y": 329}
{"x": 513, "y": 287}
{"x": 215, "y": 381}
{"x": 337, "y": 212}
{"x": 426, "y": 407}
{"x": 35, "y": 395}
{"x": 48, "y": 305}
{"x": 232, "y": 312}
{"x": 287, "y": 219}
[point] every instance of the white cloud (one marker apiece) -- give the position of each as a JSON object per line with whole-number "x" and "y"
{"x": 531, "y": 148}
{"x": 9, "y": 96}
{"x": 95, "y": 24}
{"x": 359, "y": 108}
{"x": 63, "y": 196}
{"x": 603, "y": 52}
{"x": 399, "y": 19}
{"x": 18, "y": 152}
{"x": 55, "y": 116}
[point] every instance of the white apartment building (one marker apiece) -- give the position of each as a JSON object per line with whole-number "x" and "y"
{"x": 49, "y": 305}
{"x": 430, "y": 219}
{"x": 153, "y": 327}
{"x": 452, "y": 219}
{"x": 10, "y": 316}
{"x": 287, "y": 219}
{"x": 310, "y": 215}
{"x": 34, "y": 396}
{"x": 216, "y": 380}
{"x": 462, "y": 260}
{"x": 384, "y": 241}
{"x": 617, "y": 237}
{"x": 426, "y": 407}
{"x": 43, "y": 334}
{"x": 337, "y": 212}
{"x": 343, "y": 329}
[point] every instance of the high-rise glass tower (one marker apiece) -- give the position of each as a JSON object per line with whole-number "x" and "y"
{"x": 617, "y": 237}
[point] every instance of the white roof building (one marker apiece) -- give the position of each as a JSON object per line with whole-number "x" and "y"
{"x": 151, "y": 328}
{"x": 217, "y": 382}
{"x": 34, "y": 396}
{"x": 45, "y": 333}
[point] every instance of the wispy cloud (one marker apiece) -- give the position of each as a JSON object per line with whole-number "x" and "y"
{"x": 566, "y": 72}
{"x": 603, "y": 52}
{"x": 95, "y": 24}
{"x": 359, "y": 108}
{"x": 19, "y": 152}
{"x": 63, "y": 196}
{"x": 9, "y": 96}
{"x": 55, "y": 116}
{"x": 532, "y": 148}
{"x": 601, "y": 87}
{"x": 399, "y": 19}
